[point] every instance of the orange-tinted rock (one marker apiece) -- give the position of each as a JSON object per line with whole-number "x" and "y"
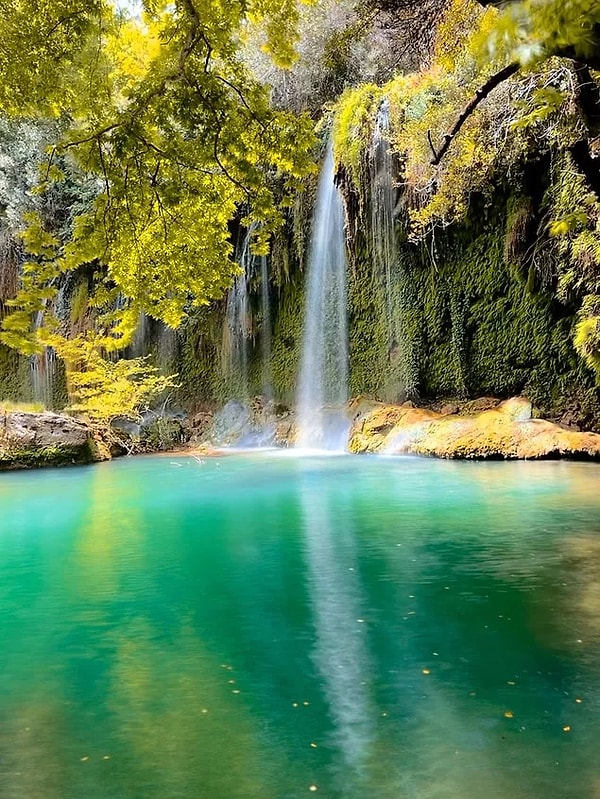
{"x": 372, "y": 429}
{"x": 504, "y": 431}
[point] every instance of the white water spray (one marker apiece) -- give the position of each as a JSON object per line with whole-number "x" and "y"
{"x": 323, "y": 381}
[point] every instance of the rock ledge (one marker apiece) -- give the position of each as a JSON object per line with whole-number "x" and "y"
{"x": 507, "y": 431}
{"x": 44, "y": 439}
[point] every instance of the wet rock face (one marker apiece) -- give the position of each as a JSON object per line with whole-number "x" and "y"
{"x": 253, "y": 423}
{"x": 43, "y": 439}
{"x": 505, "y": 431}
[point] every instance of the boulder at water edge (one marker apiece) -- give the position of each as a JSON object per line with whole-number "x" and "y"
{"x": 44, "y": 439}
{"x": 506, "y": 431}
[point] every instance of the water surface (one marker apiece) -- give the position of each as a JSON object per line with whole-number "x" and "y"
{"x": 271, "y": 626}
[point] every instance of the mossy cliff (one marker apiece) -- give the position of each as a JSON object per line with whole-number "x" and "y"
{"x": 471, "y": 313}
{"x": 489, "y": 280}
{"x": 469, "y": 317}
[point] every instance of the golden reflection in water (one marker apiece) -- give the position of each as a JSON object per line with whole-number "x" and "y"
{"x": 186, "y": 730}
{"x": 581, "y": 599}
{"x": 32, "y": 762}
{"x": 111, "y": 532}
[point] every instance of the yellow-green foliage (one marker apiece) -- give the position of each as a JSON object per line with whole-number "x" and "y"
{"x": 533, "y": 112}
{"x": 426, "y": 104}
{"x": 587, "y": 341}
{"x": 532, "y": 30}
{"x": 533, "y": 109}
{"x": 6, "y": 406}
{"x": 355, "y": 114}
{"x": 79, "y": 304}
{"x": 173, "y": 129}
{"x": 105, "y": 389}
{"x": 587, "y": 332}
{"x": 574, "y": 213}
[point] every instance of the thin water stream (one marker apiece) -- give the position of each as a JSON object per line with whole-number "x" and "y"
{"x": 239, "y": 324}
{"x": 272, "y": 626}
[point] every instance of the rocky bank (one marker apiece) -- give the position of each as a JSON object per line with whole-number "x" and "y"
{"x": 44, "y": 439}
{"x": 506, "y": 431}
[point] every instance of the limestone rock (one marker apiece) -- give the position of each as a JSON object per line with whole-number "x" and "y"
{"x": 375, "y": 430}
{"x": 504, "y": 430}
{"x": 44, "y": 439}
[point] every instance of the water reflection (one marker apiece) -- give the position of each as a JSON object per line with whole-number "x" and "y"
{"x": 341, "y": 646}
{"x": 191, "y": 631}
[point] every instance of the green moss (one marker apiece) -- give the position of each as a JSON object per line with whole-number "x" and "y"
{"x": 199, "y": 364}
{"x": 287, "y": 339}
{"x": 30, "y": 458}
{"x": 15, "y": 380}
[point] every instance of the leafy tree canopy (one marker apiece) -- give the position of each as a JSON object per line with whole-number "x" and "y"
{"x": 163, "y": 116}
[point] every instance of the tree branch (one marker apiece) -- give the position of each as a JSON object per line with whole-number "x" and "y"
{"x": 64, "y": 20}
{"x": 480, "y": 95}
{"x": 93, "y": 137}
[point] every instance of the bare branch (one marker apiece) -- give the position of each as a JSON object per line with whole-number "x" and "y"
{"x": 480, "y": 95}
{"x": 63, "y": 20}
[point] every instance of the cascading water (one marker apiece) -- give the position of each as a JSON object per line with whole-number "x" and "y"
{"x": 323, "y": 380}
{"x": 265, "y": 306}
{"x": 152, "y": 335}
{"x": 383, "y": 214}
{"x": 239, "y": 326}
{"x": 140, "y": 344}
{"x": 166, "y": 351}
{"x": 42, "y": 368}
{"x": 395, "y": 291}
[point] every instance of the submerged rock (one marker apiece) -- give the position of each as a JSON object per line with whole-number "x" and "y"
{"x": 44, "y": 439}
{"x": 505, "y": 431}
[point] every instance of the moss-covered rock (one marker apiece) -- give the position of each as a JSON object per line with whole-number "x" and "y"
{"x": 45, "y": 439}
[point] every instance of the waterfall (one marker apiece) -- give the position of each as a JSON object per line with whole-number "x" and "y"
{"x": 238, "y": 331}
{"x": 153, "y": 335}
{"x": 265, "y": 306}
{"x": 238, "y": 324}
{"x": 383, "y": 213}
{"x": 394, "y": 290}
{"x": 140, "y": 345}
{"x": 323, "y": 380}
{"x": 166, "y": 349}
{"x": 42, "y": 368}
